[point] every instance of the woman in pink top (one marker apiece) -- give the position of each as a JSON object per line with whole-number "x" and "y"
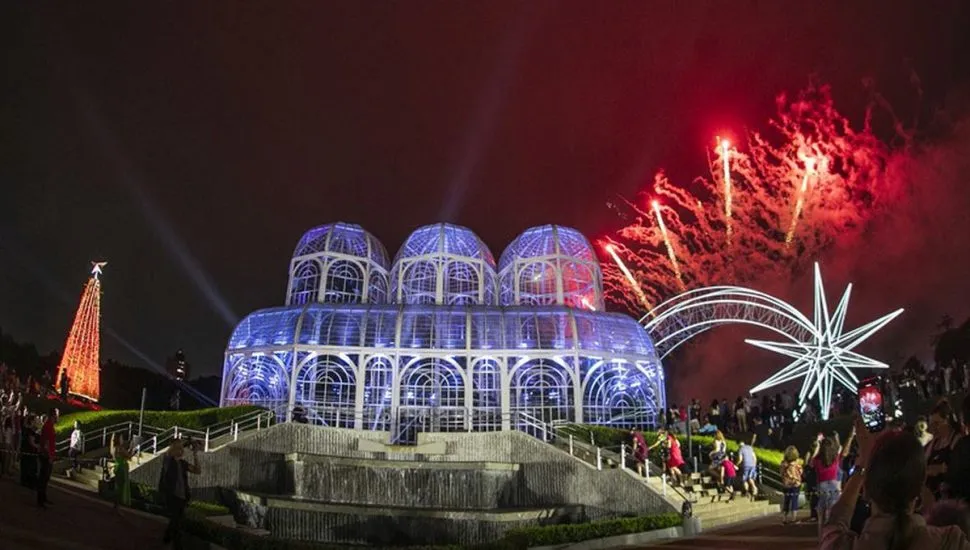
{"x": 892, "y": 468}
{"x": 826, "y": 456}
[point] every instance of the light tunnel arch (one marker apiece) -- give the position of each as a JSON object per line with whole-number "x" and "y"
{"x": 686, "y": 315}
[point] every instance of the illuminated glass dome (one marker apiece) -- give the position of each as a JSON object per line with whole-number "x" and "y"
{"x": 338, "y": 263}
{"x": 443, "y": 264}
{"x": 551, "y": 265}
{"x": 432, "y": 350}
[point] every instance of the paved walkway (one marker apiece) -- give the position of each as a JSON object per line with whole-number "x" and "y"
{"x": 78, "y": 521}
{"x": 73, "y": 522}
{"x": 762, "y": 534}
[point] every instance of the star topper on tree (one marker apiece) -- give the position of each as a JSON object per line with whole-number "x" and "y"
{"x": 827, "y": 357}
{"x": 96, "y": 268}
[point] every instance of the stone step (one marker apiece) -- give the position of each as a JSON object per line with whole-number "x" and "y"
{"x": 728, "y": 517}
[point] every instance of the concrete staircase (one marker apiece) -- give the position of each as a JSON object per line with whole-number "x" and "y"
{"x": 700, "y": 490}
{"x": 710, "y": 507}
{"x": 91, "y": 474}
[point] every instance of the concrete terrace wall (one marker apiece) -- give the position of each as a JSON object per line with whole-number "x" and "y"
{"x": 545, "y": 477}
{"x": 256, "y": 463}
{"x": 440, "y": 485}
{"x": 553, "y": 477}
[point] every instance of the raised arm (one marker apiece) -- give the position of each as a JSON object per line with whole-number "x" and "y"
{"x": 194, "y": 467}
{"x": 848, "y": 443}
{"x": 811, "y": 454}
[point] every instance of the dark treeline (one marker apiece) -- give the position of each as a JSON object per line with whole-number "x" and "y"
{"x": 120, "y": 384}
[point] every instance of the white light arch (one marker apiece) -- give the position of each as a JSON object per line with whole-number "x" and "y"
{"x": 822, "y": 353}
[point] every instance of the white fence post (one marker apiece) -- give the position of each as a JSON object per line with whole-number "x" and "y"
{"x": 663, "y": 478}
{"x": 259, "y": 421}
{"x": 646, "y": 468}
{"x": 623, "y": 456}
{"x": 599, "y": 459}
{"x": 206, "y": 440}
{"x": 570, "y": 445}
{"x": 176, "y": 432}
{"x": 104, "y": 436}
{"x": 235, "y": 431}
{"x": 154, "y": 444}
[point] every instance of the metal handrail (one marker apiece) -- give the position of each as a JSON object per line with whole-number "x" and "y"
{"x": 160, "y": 437}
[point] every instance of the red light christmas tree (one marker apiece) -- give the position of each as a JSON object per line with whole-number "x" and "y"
{"x": 83, "y": 349}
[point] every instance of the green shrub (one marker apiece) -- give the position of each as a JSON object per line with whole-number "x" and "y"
{"x": 613, "y": 437}
{"x": 195, "y": 420}
{"x": 209, "y": 509}
{"x": 516, "y": 539}
{"x": 548, "y": 535}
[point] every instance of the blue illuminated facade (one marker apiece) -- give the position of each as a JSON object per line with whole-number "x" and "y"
{"x": 443, "y": 339}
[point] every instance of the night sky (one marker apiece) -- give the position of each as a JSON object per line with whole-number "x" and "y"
{"x": 191, "y": 145}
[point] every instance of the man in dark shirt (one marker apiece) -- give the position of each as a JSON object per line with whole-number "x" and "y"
{"x": 46, "y": 456}
{"x": 762, "y": 434}
{"x": 173, "y": 486}
{"x": 958, "y": 468}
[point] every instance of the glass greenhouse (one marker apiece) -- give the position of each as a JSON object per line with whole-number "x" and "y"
{"x": 442, "y": 340}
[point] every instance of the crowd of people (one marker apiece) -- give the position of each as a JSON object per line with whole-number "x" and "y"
{"x": 773, "y": 417}
{"x": 903, "y": 487}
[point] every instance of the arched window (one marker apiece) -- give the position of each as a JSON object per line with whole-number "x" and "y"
{"x": 433, "y": 396}
{"x": 306, "y": 283}
{"x": 462, "y": 283}
{"x": 418, "y": 282}
{"x": 326, "y": 389}
{"x": 344, "y": 283}
{"x": 378, "y": 393}
{"x": 260, "y": 380}
{"x": 543, "y": 389}
{"x": 486, "y": 395}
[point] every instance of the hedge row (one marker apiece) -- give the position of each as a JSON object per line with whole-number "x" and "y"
{"x": 612, "y": 437}
{"x": 516, "y": 539}
{"x": 196, "y": 420}
{"x": 578, "y": 532}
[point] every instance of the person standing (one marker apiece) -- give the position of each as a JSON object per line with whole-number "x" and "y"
{"x": 7, "y": 447}
{"x": 46, "y": 456}
{"x": 791, "y": 480}
{"x": 741, "y": 414}
{"x": 121, "y": 456}
{"x": 173, "y": 486}
{"x": 77, "y": 442}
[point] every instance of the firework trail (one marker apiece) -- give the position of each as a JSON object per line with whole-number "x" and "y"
{"x": 810, "y": 184}
{"x": 726, "y": 158}
{"x": 800, "y": 203}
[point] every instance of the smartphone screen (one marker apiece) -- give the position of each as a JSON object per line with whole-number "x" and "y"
{"x": 871, "y": 406}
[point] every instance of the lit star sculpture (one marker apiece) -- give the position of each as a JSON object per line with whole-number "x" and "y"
{"x": 96, "y": 268}
{"x": 828, "y": 357}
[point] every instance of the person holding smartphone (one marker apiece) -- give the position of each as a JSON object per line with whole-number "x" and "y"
{"x": 173, "y": 486}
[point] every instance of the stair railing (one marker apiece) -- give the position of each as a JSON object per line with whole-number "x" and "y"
{"x": 162, "y": 437}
